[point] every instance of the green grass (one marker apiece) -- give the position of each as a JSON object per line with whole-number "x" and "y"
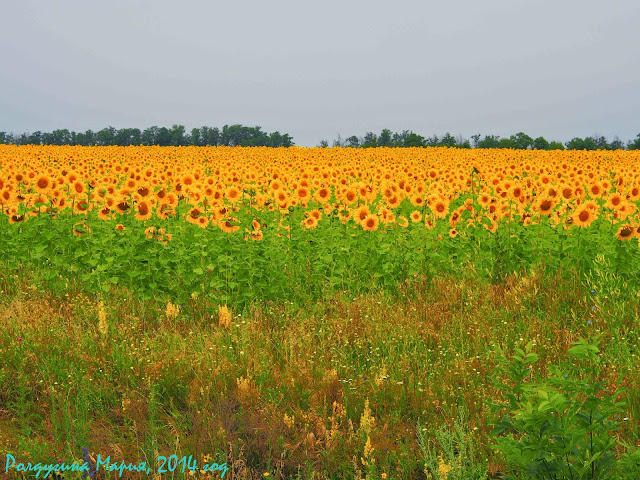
{"x": 283, "y": 388}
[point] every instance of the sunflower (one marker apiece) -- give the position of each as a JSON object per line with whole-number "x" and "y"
{"x": 417, "y": 201}
{"x": 402, "y": 221}
{"x": 370, "y": 223}
{"x": 350, "y": 196}
{"x": 232, "y": 194}
{"x": 310, "y": 223}
{"x": 634, "y": 194}
{"x": 193, "y": 215}
{"x": 43, "y": 184}
{"x": 567, "y": 193}
{"x": 415, "y": 216}
{"x": 440, "y": 209}
{"x": 322, "y": 195}
{"x": 614, "y": 202}
{"x": 361, "y": 213}
{"x": 143, "y": 211}
{"x": 150, "y": 232}
{"x": 17, "y": 218}
{"x": 625, "y": 232}
{"x": 105, "y": 213}
{"x": 303, "y": 194}
{"x": 314, "y": 213}
{"x": 583, "y": 217}
{"x": 78, "y": 187}
{"x": 596, "y": 190}
{"x": 393, "y": 202}
{"x": 545, "y": 205}
{"x": 453, "y": 233}
{"x": 484, "y": 200}
{"x": 120, "y": 227}
{"x": 226, "y": 226}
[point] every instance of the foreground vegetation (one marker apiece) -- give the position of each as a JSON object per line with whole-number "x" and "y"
{"x": 346, "y": 387}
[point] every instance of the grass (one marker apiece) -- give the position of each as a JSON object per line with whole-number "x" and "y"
{"x": 285, "y": 389}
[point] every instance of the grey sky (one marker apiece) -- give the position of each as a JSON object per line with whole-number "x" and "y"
{"x": 559, "y": 69}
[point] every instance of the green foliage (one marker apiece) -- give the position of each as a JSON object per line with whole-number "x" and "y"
{"x": 562, "y": 426}
{"x": 230, "y": 135}
{"x": 454, "y": 455}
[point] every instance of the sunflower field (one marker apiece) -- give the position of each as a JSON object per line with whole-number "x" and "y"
{"x": 248, "y": 224}
{"x": 315, "y": 313}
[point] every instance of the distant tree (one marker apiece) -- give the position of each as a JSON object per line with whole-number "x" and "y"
{"x": 432, "y": 141}
{"x": 3, "y": 138}
{"x": 276, "y": 139}
{"x": 577, "y": 143}
{"x": 149, "y": 135}
{"x": 489, "y": 141}
{"x": 370, "y": 140}
{"x": 61, "y": 137}
{"x": 634, "y": 144}
{"x": 106, "y": 136}
{"x": 35, "y": 138}
{"x": 353, "y": 142}
{"x": 338, "y": 142}
{"x": 475, "y": 138}
{"x": 541, "y": 143}
{"x": 324, "y": 144}
{"x": 127, "y": 136}
{"x": 462, "y": 142}
{"x": 47, "y": 138}
{"x": 196, "y": 138}
{"x": 385, "y": 139}
{"x": 522, "y": 141}
{"x": 210, "y": 136}
{"x": 414, "y": 140}
{"x": 89, "y": 138}
{"x": 164, "y": 137}
{"x": 447, "y": 141}
{"x": 616, "y": 144}
{"x": 601, "y": 143}
{"x": 554, "y": 145}
{"x": 400, "y": 139}
{"x": 507, "y": 143}
{"x": 178, "y": 137}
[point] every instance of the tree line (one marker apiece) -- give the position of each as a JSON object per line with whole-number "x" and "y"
{"x": 520, "y": 140}
{"x": 239, "y": 135}
{"x": 229, "y": 135}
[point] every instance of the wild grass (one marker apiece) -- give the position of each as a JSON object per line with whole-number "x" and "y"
{"x": 334, "y": 388}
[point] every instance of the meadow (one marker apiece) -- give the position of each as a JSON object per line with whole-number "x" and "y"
{"x": 322, "y": 313}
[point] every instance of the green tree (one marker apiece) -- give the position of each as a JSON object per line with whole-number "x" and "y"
{"x": 353, "y": 142}
{"x": 635, "y": 144}
{"x": 370, "y": 140}
{"x": 385, "y": 139}
{"x": 178, "y": 137}
{"x": 616, "y": 144}
{"x": 489, "y": 141}
{"x": 414, "y": 140}
{"x": 196, "y": 138}
{"x": 522, "y": 141}
{"x": 447, "y": 141}
{"x": 105, "y": 137}
{"x": 541, "y": 143}
{"x": 150, "y": 135}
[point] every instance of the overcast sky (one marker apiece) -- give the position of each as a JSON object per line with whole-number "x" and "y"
{"x": 559, "y": 69}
